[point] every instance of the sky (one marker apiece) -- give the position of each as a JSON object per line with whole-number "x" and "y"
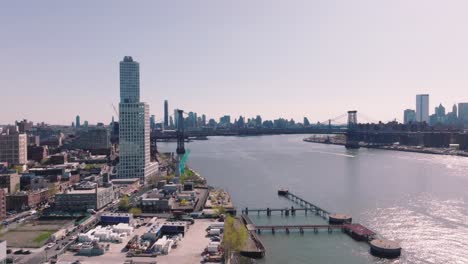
{"x": 246, "y": 57}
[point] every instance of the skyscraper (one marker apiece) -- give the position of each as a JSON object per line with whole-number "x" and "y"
{"x": 166, "y": 114}
{"x": 152, "y": 122}
{"x": 422, "y": 108}
{"x": 176, "y": 119}
{"x": 134, "y": 126}
{"x": 409, "y": 116}
{"x": 171, "y": 122}
{"x": 77, "y": 123}
{"x": 203, "y": 120}
{"x": 463, "y": 113}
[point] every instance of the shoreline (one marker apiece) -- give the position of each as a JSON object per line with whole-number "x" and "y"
{"x": 413, "y": 149}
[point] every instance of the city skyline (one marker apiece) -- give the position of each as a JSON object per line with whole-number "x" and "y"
{"x": 244, "y": 59}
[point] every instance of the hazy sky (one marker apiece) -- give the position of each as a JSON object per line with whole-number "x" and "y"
{"x": 274, "y": 58}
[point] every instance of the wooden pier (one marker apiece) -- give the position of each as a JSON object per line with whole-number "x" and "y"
{"x": 269, "y": 211}
{"x": 380, "y": 247}
{"x": 304, "y": 203}
{"x": 300, "y": 228}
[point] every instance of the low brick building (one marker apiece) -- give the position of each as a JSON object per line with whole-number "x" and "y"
{"x": 59, "y": 158}
{"x": 37, "y": 153}
{"x": 85, "y": 197}
{"x": 25, "y": 200}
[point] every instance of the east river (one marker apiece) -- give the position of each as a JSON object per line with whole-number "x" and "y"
{"x": 420, "y": 200}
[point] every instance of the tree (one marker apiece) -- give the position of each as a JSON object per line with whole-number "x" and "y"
{"x": 183, "y": 202}
{"x": 153, "y": 180}
{"x": 183, "y": 177}
{"x": 220, "y": 210}
{"x": 235, "y": 236}
{"x": 135, "y": 211}
{"x": 169, "y": 178}
{"x": 124, "y": 203}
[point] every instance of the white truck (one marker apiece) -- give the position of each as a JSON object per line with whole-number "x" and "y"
{"x": 59, "y": 235}
{"x": 214, "y": 232}
{"x": 215, "y": 226}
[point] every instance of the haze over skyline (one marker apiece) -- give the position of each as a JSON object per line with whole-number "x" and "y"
{"x": 274, "y": 58}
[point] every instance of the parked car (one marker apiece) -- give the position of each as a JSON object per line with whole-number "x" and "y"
{"x": 22, "y": 252}
{"x": 50, "y": 245}
{"x": 215, "y": 239}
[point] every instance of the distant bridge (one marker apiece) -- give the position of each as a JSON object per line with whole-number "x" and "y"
{"x": 372, "y": 133}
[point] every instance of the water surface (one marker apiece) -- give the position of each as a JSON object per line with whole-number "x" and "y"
{"x": 417, "y": 199}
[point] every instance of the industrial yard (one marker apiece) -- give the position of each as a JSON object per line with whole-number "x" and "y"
{"x": 188, "y": 249}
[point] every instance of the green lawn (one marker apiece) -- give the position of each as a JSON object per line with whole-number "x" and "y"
{"x": 43, "y": 237}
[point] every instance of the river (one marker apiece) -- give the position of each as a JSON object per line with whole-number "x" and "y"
{"x": 420, "y": 200}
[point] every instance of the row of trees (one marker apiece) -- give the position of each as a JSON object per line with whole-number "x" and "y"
{"x": 235, "y": 236}
{"x": 124, "y": 205}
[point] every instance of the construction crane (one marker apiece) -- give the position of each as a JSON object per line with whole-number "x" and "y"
{"x": 115, "y": 109}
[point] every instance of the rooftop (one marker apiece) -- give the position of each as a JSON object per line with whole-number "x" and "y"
{"x": 125, "y": 180}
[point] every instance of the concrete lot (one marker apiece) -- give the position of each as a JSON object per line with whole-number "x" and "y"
{"x": 192, "y": 245}
{"x": 188, "y": 250}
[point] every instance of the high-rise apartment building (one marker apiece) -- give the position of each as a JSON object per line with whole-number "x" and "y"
{"x": 166, "y": 114}
{"x": 134, "y": 126}
{"x": 13, "y": 148}
{"x": 422, "y": 108}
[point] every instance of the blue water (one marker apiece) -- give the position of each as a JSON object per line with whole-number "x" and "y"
{"x": 417, "y": 199}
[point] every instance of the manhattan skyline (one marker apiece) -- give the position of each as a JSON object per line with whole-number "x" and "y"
{"x": 306, "y": 58}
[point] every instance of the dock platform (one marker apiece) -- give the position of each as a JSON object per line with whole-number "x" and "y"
{"x": 343, "y": 222}
{"x": 359, "y": 232}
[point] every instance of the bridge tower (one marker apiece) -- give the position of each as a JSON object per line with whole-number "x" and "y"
{"x": 352, "y": 119}
{"x": 329, "y": 131}
{"x": 180, "y": 141}
{"x": 180, "y": 133}
{"x": 352, "y": 140}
